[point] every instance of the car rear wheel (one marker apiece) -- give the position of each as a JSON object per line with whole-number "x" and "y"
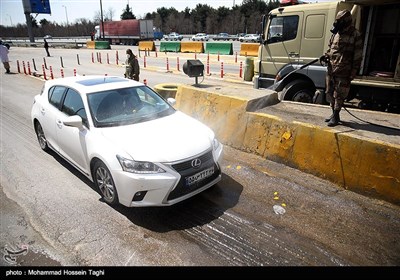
{"x": 105, "y": 183}
{"x": 41, "y": 137}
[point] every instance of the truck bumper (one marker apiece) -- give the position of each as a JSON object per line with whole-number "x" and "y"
{"x": 262, "y": 82}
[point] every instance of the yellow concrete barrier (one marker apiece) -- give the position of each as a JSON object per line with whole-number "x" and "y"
{"x": 356, "y": 163}
{"x": 221, "y": 112}
{"x": 249, "y": 49}
{"x": 192, "y": 47}
{"x": 90, "y": 44}
{"x": 147, "y": 45}
{"x": 167, "y": 90}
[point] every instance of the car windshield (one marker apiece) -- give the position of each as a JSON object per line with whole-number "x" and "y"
{"x": 125, "y": 106}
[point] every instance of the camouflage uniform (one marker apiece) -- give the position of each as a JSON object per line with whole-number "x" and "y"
{"x": 344, "y": 55}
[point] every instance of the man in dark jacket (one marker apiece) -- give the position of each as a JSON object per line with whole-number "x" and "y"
{"x": 46, "y": 47}
{"x": 344, "y": 57}
{"x": 132, "y": 69}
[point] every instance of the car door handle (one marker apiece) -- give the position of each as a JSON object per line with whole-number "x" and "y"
{"x": 293, "y": 54}
{"x": 59, "y": 123}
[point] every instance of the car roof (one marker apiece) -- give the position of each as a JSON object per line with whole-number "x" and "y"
{"x": 93, "y": 83}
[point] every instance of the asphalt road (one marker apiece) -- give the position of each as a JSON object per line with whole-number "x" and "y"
{"x": 260, "y": 214}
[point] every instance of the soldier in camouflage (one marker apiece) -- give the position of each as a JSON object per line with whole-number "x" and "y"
{"x": 344, "y": 57}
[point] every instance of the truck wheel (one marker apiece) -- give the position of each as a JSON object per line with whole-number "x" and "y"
{"x": 299, "y": 91}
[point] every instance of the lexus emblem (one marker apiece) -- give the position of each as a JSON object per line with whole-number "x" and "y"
{"x": 196, "y": 163}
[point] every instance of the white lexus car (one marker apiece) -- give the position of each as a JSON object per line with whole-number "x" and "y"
{"x": 136, "y": 148}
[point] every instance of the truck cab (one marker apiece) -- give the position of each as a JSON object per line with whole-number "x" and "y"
{"x": 298, "y": 34}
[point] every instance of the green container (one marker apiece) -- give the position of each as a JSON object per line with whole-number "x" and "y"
{"x": 221, "y": 48}
{"x": 170, "y": 46}
{"x": 102, "y": 45}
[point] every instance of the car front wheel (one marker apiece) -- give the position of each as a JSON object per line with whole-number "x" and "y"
{"x": 105, "y": 183}
{"x": 41, "y": 137}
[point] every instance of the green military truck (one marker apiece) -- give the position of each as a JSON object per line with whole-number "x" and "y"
{"x": 298, "y": 34}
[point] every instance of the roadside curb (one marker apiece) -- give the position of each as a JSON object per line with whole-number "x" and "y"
{"x": 356, "y": 163}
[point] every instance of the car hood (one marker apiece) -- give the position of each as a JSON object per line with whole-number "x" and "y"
{"x": 166, "y": 139}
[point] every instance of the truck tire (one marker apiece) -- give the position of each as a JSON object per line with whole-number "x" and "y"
{"x": 299, "y": 91}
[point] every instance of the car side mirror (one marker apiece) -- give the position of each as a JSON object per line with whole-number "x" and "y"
{"x": 171, "y": 101}
{"x": 73, "y": 121}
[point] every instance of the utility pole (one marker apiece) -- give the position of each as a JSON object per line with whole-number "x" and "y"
{"x": 10, "y": 19}
{"x": 66, "y": 14}
{"x": 29, "y": 25}
{"x": 102, "y": 22}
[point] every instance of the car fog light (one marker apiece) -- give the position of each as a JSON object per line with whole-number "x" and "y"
{"x": 139, "y": 196}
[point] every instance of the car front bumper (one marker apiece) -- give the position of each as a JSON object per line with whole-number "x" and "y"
{"x": 165, "y": 189}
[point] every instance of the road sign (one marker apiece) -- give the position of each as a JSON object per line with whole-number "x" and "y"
{"x": 37, "y": 6}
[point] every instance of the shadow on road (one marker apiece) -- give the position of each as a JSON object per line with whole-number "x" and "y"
{"x": 196, "y": 211}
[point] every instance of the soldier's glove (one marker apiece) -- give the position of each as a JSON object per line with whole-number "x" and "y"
{"x": 323, "y": 59}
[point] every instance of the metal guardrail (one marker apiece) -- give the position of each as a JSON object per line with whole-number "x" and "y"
{"x": 73, "y": 42}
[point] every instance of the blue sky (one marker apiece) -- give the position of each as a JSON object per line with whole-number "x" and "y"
{"x": 12, "y": 12}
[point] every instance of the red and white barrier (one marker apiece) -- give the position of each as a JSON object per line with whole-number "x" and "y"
{"x": 51, "y": 73}
{"x": 29, "y": 68}
{"x": 44, "y": 72}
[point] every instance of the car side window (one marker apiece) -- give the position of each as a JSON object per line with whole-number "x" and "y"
{"x": 73, "y": 105}
{"x": 55, "y": 95}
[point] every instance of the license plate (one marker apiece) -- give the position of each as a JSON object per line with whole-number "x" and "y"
{"x": 199, "y": 176}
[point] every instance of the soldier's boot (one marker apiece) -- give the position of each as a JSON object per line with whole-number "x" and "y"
{"x": 330, "y": 117}
{"x": 335, "y": 119}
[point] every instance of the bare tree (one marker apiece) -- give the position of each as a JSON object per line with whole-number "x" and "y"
{"x": 110, "y": 14}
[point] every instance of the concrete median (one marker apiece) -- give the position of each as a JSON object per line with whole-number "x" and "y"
{"x": 219, "y": 48}
{"x": 170, "y": 46}
{"x": 147, "y": 46}
{"x": 90, "y": 44}
{"x": 355, "y": 162}
{"x": 249, "y": 49}
{"x": 192, "y": 47}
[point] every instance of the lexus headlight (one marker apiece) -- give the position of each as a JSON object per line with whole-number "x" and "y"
{"x": 140, "y": 167}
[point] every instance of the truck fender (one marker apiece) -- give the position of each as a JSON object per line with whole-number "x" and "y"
{"x": 315, "y": 74}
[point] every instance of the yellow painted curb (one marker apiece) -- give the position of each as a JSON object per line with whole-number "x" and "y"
{"x": 359, "y": 164}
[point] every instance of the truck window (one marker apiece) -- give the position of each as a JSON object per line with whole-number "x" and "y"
{"x": 314, "y": 27}
{"x": 283, "y": 28}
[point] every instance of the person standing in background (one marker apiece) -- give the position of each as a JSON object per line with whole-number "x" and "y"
{"x": 4, "y": 49}
{"x": 46, "y": 47}
{"x": 132, "y": 69}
